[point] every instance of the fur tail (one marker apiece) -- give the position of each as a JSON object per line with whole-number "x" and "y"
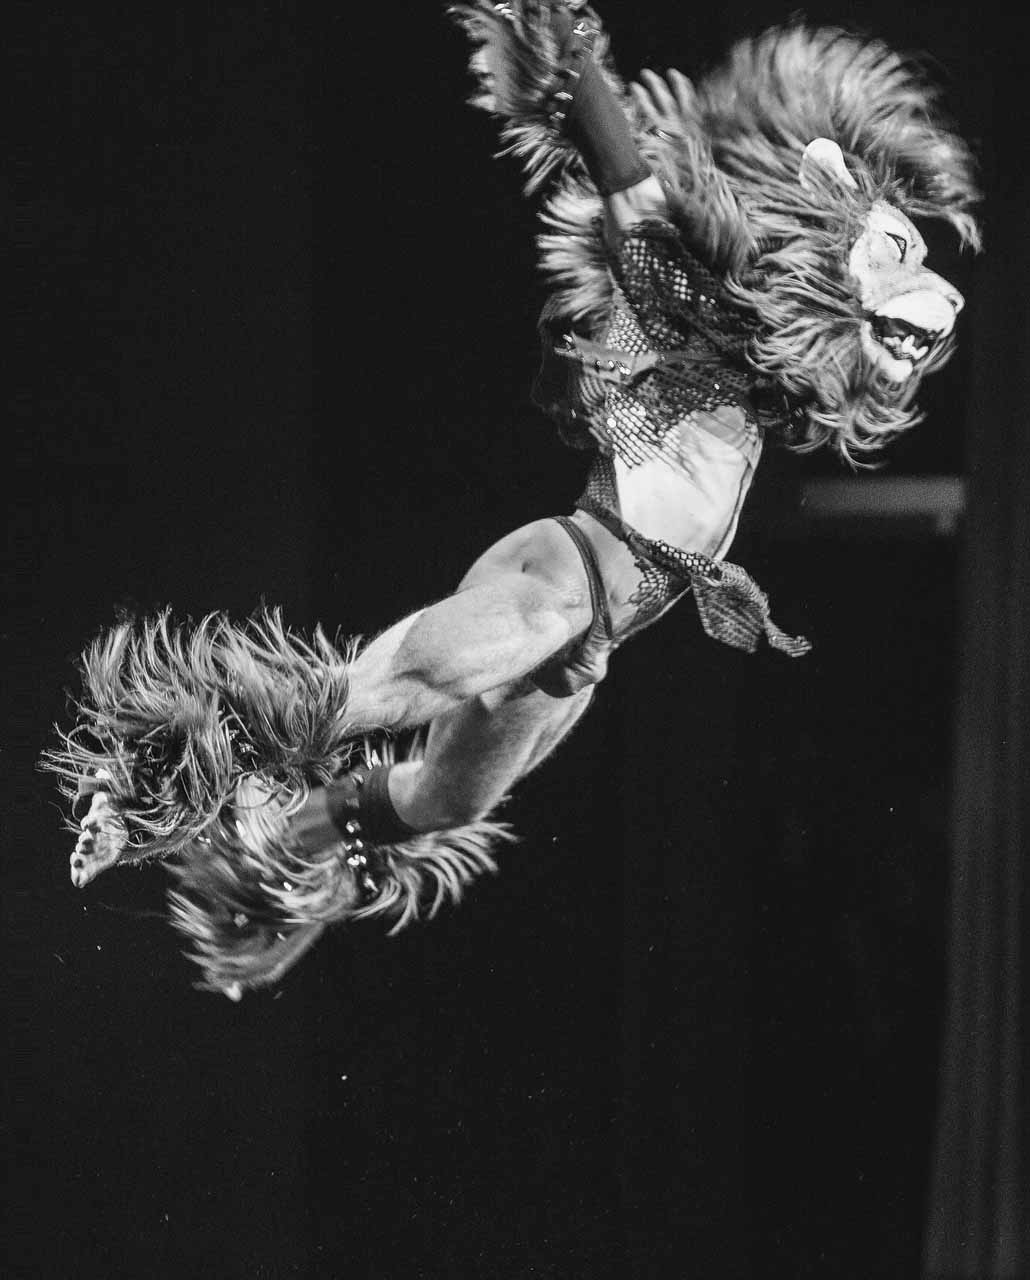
{"x": 250, "y": 906}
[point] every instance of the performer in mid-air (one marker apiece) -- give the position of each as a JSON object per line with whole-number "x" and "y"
{"x": 733, "y": 261}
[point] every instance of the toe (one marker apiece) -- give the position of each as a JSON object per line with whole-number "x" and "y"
{"x": 84, "y": 869}
{"x": 100, "y": 810}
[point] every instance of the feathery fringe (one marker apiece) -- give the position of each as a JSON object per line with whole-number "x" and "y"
{"x": 515, "y": 61}
{"x": 213, "y": 735}
{"x": 779, "y": 90}
{"x": 178, "y": 715}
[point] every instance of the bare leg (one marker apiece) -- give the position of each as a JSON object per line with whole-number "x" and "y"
{"x": 476, "y": 754}
{"x": 463, "y": 664}
{"x": 522, "y": 602}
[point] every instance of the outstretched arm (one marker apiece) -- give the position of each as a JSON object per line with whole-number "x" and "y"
{"x": 541, "y": 67}
{"x": 597, "y": 126}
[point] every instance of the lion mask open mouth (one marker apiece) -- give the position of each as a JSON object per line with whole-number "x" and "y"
{"x": 903, "y": 340}
{"x": 909, "y": 310}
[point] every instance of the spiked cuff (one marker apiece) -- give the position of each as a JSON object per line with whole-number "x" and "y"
{"x": 589, "y": 112}
{"x": 359, "y": 803}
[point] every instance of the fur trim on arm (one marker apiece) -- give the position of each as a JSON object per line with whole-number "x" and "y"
{"x": 517, "y": 62}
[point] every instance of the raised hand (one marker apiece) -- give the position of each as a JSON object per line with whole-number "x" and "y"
{"x": 664, "y": 101}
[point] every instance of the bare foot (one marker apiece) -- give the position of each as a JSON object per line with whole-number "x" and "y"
{"x": 101, "y": 842}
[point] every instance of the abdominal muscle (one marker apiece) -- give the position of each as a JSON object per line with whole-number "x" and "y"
{"x": 692, "y": 499}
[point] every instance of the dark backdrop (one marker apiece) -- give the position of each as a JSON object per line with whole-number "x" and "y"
{"x": 280, "y": 333}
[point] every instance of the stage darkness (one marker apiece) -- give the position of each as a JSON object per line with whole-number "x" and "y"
{"x": 283, "y": 323}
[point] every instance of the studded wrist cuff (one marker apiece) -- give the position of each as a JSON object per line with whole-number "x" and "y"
{"x": 361, "y": 801}
{"x": 587, "y": 110}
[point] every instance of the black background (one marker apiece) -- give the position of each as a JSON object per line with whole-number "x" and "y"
{"x": 279, "y": 338}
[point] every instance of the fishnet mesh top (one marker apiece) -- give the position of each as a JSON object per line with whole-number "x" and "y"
{"x": 671, "y": 313}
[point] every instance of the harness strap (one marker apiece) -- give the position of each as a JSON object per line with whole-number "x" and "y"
{"x": 587, "y": 662}
{"x": 731, "y": 605}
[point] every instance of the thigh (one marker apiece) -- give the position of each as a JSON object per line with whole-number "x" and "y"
{"x": 638, "y": 592}
{"x": 543, "y": 551}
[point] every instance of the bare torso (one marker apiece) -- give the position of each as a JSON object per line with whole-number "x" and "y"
{"x": 694, "y": 504}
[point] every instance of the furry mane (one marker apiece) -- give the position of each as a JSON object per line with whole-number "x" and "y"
{"x": 779, "y": 90}
{"x": 213, "y": 735}
{"x": 727, "y": 151}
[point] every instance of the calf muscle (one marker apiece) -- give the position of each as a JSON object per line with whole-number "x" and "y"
{"x": 477, "y": 753}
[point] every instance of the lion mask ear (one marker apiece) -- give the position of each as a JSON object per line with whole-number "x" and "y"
{"x": 822, "y": 153}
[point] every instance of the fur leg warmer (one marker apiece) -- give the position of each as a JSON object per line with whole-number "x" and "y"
{"x": 251, "y": 906}
{"x": 211, "y": 737}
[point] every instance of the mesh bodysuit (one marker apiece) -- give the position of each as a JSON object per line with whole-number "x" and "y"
{"x": 678, "y": 346}
{"x": 672, "y": 358}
